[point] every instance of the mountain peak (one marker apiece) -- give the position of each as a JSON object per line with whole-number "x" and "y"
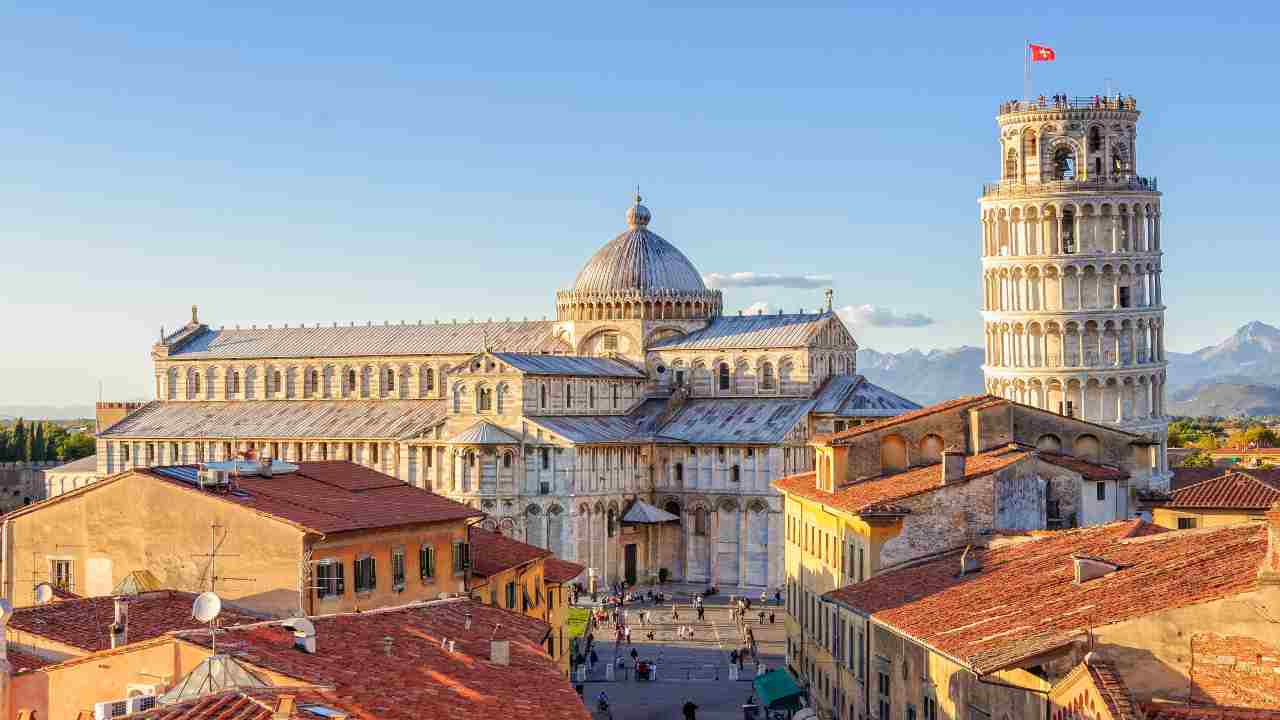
{"x": 1257, "y": 330}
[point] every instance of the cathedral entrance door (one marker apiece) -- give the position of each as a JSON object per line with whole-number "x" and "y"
{"x": 631, "y": 552}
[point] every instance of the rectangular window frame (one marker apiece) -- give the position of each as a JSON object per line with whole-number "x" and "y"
{"x": 365, "y": 571}
{"x": 427, "y": 563}
{"x": 329, "y": 581}
{"x": 397, "y": 569}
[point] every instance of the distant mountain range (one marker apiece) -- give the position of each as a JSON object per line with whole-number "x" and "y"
{"x": 46, "y": 412}
{"x": 1238, "y": 376}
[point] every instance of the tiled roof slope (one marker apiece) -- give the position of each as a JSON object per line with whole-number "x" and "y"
{"x": 956, "y": 405}
{"x": 1169, "y": 711}
{"x": 329, "y": 497}
{"x": 366, "y": 340}
{"x": 248, "y": 704}
{"x": 492, "y": 552}
{"x": 1184, "y": 476}
{"x": 1024, "y": 600}
{"x": 302, "y": 419}
{"x": 878, "y": 494}
{"x": 1229, "y": 491}
{"x": 575, "y": 365}
{"x": 83, "y": 623}
{"x": 736, "y": 420}
{"x": 21, "y": 660}
{"x": 748, "y": 332}
{"x": 1086, "y": 469}
{"x": 853, "y": 396}
{"x": 555, "y": 570}
{"x": 1111, "y": 686}
{"x": 413, "y": 677}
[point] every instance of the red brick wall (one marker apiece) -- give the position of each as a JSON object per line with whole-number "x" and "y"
{"x": 1234, "y": 670}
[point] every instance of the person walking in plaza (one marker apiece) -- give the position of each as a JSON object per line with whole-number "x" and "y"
{"x": 690, "y": 710}
{"x": 675, "y": 611}
{"x": 628, "y": 634}
{"x": 701, "y": 612}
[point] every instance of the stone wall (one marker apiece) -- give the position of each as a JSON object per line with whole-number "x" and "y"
{"x": 22, "y": 483}
{"x": 1234, "y": 670}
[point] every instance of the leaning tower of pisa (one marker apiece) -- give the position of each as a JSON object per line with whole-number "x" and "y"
{"x": 1072, "y": 304}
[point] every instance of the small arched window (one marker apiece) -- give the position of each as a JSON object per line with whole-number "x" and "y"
{"x": 428, "y": 380}
{"x": 1064, "y": 164}
{"x": 235, "y": 382}
{"x": 390, "y": 382}
{"x": 313, "y": 381}
{"x": 351, "y": 380}
{"x": 591, "y": 396}
{"x": 568, "y": 395}
{"x": 1095, "y": 139}
{"x": 615, "y": 397}
{"x": 542, "y": 396}
{"x": 766, "y": 376}
{"x": 195, "y": 383}
{"x": 506, "y": 460}
{"x": 723, "y": 372}
{"x": 1011, "y": 165}
{"x": 700, "y": 522}
{"x": 276, "y": 383}
{"x": 484, "y": 399}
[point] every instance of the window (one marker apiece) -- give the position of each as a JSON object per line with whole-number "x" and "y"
{"x": 862, "y": 659}
{"x": 374, "y": 450}
{"x": 724, "y": 376}
{"x": 568, "y": 395}
{"x": 61, "y": 575}
{"x": 1011, "y": 165}
{"x": 351, "y": 380}
{"x": 1124, "y": 297}
{"x": 1187, "y": 523}
{"x": 545, "y": 456}
{"x": 313, "y": 381}
{"x": 390, "y": 383}
{"x": 591, "y": 397}
{"x": 329, "y": 581}
{"x": 234, "y": 388}
{"x": 427, "y": 562}
{"x": 397, "y": 569}
{"x": 615, "y": 397}
{"x": 735, "y": 474}
{"x": 1102, "y": 491}
{"x": 461, "y": 556}
{"x": 766, "y": 376}
{"x": 679, "y": 473}
{"x": 883, "y": 689}
{"x": 679, "y": 378}
{"x": 506, "y": 460}
{"x": 428, "y": 380}
{"x": 1064, "y": 164}
{"x": 609, "y": 343}
{"x": 276, "y": 384}
{"x": 366, "y": 575}
{"x": 125, "y": 449}
{"x": 484, "y": 399}
{"x": 542, "y": 396}
{"x": 196, "y": 383}
{"x": 700, "y": 522}
{"x": 511, "y": 596}
{"x": 1071, "y": 410}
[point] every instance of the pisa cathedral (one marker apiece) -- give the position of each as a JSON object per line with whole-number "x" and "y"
{"x": 1073, "y": 305}
{"x": 640, "y": 398}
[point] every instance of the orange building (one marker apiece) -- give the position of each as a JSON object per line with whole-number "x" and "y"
{"x": 278, "y": 539}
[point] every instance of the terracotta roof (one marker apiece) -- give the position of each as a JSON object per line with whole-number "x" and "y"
{"x": 82, "y": 623}
{"x": 246, "y": 704}
{"x": 878, "y": 494}
{"x": 962, "y": 403}
{"x": 20, "y": 660}
{"x": 555, "y": 570}
{"x": 414, "y": 677}
{"x": 330, "y": 497}
{"x": 492, "y": 552}
{"x": 1184, "y": 476}
{"x": 1228, "y": 491}
{"x": 1024, "y": 600}
{"x": 1086, "y": 469}
{"x": 1112, "y": 688}
{"x": 1169, "y": 711}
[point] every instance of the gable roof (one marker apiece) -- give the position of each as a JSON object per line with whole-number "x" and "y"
{"x": 493, "y": 552}
{"x": 748, "y": 332}
{"x": 300, "y": 419}
{"x": 1024, "y": 600}
{"x": 956, "y": 405}
{"x": 877, "y": 494}
{"x": 83, "y": 465}
{"x": 483, "y": 432}
{"x": 83, "y": 623}
{"x": 555, "y": 570}
{"x": 1087, "y": 470}
{"x": 574, "y": 365}
{"x": 413, "y": 676}
{"x": 1231, "y": 490}
{"x": 328, "y": 497}
{"x": 366, "y": 340}
{"x": 853, "y": 396}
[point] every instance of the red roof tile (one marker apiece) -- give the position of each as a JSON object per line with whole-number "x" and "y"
{"x": 1184, "y": 476}
{"x": 878, "y": 494}
{"x": 1231, "y": 490}
{"x": 83, "y": 623}
{"x": 1087, "y": 470}
{"x": 555, "y": 570}
{"x": 1111, "y": 686}
{"x": 20, "y": 660}
{"x": 492, "y": 552}
{"x": 334, "y": 496}
{"x": 1024, "y": 599}
{"x": 1169, "y": 711}
{"x": 243, "y": 704}
{"x": 414, "y": 677}
{"x": 962, "y": 403}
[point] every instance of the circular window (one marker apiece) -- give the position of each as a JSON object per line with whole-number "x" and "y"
{"x": 661, "y": 369}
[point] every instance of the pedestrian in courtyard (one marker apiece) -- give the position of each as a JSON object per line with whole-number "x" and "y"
{"x": 690, "y": 710}
{"x": 761, "y": 617}
{"x": 628, "y": 634}
{"x": 777, "y": 596}
{"x": 771, "y": 616}
{"x": 733, "y": 657}
{"x": 701, "y": 612}
{"x": 675, "y": 612}
{"x": 594, "y": 659}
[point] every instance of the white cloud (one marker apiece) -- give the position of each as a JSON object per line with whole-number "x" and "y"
{"x": 878, "y": 316}
{"x": 757, "y": 308}
{"x": 754, "y": 279}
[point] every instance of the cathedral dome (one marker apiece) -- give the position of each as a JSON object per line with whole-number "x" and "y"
{"x": 638, "y": 260}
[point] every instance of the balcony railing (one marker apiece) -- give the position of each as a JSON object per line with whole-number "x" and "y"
{"x": 1064, "y": 102}
{"x": 1014, "y": 188}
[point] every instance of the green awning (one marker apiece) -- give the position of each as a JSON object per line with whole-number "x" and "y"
{"x": 777, "y": 690}
{"x": 575, "y": 622}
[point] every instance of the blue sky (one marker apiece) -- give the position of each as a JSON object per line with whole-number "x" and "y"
{"x": 320, "y": 162}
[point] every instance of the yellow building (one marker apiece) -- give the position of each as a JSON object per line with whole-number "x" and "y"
{"x": 1231, "y": 497}
{"x": 316, "y": 537}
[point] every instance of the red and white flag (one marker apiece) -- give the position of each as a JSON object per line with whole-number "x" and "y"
{"x": 1040, "y": 53}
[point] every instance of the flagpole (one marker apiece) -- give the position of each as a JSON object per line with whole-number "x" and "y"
{"x": 1026, "y": 74}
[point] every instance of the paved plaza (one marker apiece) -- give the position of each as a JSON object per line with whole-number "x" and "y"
{"x": 694, "y": 669}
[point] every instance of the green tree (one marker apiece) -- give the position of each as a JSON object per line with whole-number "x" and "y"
{"x": 1198, "y": 459}
{"x": 37, "y": 442}
{"x": 1254, "y": 435}
{"x": 1205, "y": 442}
{"x": 76, "y": 446}
{"x": 19, "y": 441}
{"x": 4, "y": 445}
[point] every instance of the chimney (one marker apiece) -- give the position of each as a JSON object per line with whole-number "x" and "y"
{"x": 1090, "y": 568}
{"x": 500, "y": 652}
{"x": 120, "y": 625}
{"x": 1269, "y": 572}
{"x": 952, "y": 466}
{"x": 969, "y": 562}
{"x": 304, "y": 634}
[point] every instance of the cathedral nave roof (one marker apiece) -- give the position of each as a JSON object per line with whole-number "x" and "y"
{"x": 284, "y": 419}
{"x": 749, "y": 332}
{"x": 574, "y": 365}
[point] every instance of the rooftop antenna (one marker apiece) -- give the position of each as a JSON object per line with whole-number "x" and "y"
{"x": 213, "y": 556}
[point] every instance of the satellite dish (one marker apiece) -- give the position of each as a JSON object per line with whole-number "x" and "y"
{"x": 44, "y": 593}
{"x": 206, "y": 607}
{"x": 6, "y": 611}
